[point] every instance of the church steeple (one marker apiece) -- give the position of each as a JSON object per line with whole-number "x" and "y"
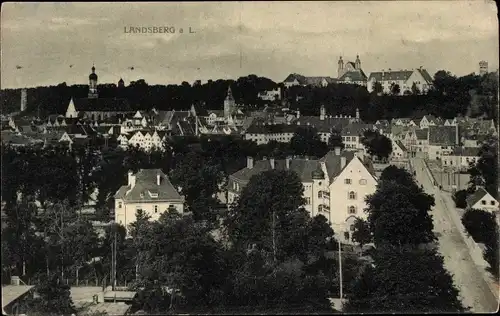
{"x": 229, "y": 103}
{"x": 229, "y": 94}
{"x": 93, "y": 84}
{"x": 340, "y": 70}
{"x": 357, "y": 63}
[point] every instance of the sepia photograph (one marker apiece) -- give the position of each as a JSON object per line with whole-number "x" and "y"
{"x": 250, "y": 158}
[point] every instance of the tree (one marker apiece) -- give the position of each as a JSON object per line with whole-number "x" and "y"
{"x": 377, "y": 144}
{"x": 485, "y": 172}
{"x": 460, "y": 198}
{"x": 399, "y": 215}
{"x": 199, "y": 180}
{"x": 361, "y": 233}
{"x": 395, "y": 89}
{"x": 306, "y": 142}
{"x": 385, "y": 287}
{"x": 400, "y": 175}
{"x": 138, "y": 231}
{"x": 264, "y": 209}
{"x": 335, "y": 140}
{"x": 54, "y": 299}
{"x": 414, "y": 89}
{"x": 377, "y": 87}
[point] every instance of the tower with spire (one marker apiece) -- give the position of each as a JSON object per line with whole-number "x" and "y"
{"x": 93, "y": 84}
{"x": 340, "y": 70}
{"x": 229, "y": 103}
{"x": 357, "y": 62}
{"x": 121, "y": 83}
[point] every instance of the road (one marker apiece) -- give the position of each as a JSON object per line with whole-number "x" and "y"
{"x": 474, "y": 291}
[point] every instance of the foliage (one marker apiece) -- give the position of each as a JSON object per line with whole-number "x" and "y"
{"x": 377, "y": 144}
{"x": 485, "y": 171}
{"x": 399, "y": 214}
{"x": 483, "y": 228}
{"x": 460, "y": 198}
{"x": 306, "y": 142}
{"x": 54, "y": 299}
{"x": 361, "y": 233}
{"x": 399, "y": 175}
{"x": 405, "y": 279}
{"x": 335, "y": 140}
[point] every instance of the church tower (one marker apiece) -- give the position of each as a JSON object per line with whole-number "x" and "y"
{"x": 121, "y": 83}
{"x": 357, "y": 64}
{"x": 92, "y": 84}
{"x": 229, "y": 103}
{"x": 340, "y": 71}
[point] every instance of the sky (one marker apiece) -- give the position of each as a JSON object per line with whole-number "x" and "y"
{"x": 227, "y": 40}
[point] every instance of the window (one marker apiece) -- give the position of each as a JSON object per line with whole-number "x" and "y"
{"x": 320, "y": 194}
{"x": 308, "y": 200}
{"x": 351, "y": 228}
{"x": 156, "y": 208}
{"x": 492, "y": 202}
{"x": 347, "y": 181}
{"x": 352, "y": 210}
{"x": 362, "y": 181}
{"x": 352, "y": 195}
{"x": 119, "y": 204}
{"x": 483, "y": 202}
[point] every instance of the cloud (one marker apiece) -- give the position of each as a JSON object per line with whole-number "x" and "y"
{"x": 237, "y": 38}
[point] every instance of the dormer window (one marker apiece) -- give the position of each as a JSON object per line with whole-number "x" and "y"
{"x": 153, "y": 194}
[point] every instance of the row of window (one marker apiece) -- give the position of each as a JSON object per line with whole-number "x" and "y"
{"x": 349, "y": 181}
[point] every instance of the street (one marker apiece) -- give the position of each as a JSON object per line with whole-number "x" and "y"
{"x": 474, "y": 291}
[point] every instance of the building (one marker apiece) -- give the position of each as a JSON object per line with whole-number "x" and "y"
{"x": 483, "y": 67}
{"x": 270, "y": 95}
{"x": 399, "y": 151}
{"x": 334, "y": 186}
{"x": 95, "y": 108}
{"x": 149, "y": 190}
{"x": 461, "y": 157}
{"x": 351, "y": 72}
{"x": 404, "y": 78}
{"x": 442, "y": 141}
{"x": 300, "y": 80}
{"x": 482, "y": 200}
{"x": 146, "y": 140}
{"x": 430, "y": 120}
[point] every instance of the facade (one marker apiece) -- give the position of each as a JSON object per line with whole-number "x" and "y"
{"x": 442, "y": 141}
{"x": 149, "y": 190}
{"x": 482, "y": 200}
{"x": 461, "y": 157}
{"x": 270, "y": 95}
{"x": 351, "y": 72}
{"x": 429, "y": 120}
{"x": 147, "y": 140}
{"x": 334, "y": 186}
{"x": 404, "y": 78}
{"x": 399, "y": 151}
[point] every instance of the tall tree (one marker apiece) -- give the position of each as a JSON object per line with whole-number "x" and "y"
{"x": 361, "y": 233}
{"x": 54, "y": 298}
{"x": 335, "y": 140}
{"x": 306, "y": 142}
{"x": 377, "y": 144}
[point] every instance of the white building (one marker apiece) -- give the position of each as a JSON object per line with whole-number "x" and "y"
{"x": 404, "y": 78}
{"x": 442, "y": 141}
{"x": 145, "y": 139}
{"x": 482, "y": 200}
{"x": 461, "y": 157}
{"x": 334, "y": 186}
{"x": 270, "y": 95}
{"x": 149, "y": 190}
{"x": 399, "y": 151}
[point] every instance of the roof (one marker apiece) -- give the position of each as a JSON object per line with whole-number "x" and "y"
{"x": 10, "y": 293}
{"x": 466, "y": 151}
{"x": 476, "y": 196}
{"x": 355, "y": 129}
{"x": 9, "y": 137}
{"x": 425, "y": 74}
{"x": 218, "y": 113}
{"x": 443, "y": 135}
{"x": 400, "y": 144}
{"x": 391, "y": 75}
{"x": 145, "y": 182}
{"x": 102, "y": 105}
{"x": 421, "y": 134}
{"x": 315, "y": 81}
{"x": 357, "y": 75}
{"x": 304, "y": 168}
{"x": 333, "y": 162}
{"x": 109, "y": 308}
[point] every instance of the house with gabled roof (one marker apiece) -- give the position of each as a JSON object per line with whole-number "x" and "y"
{"x": 149, "y": 190}
{"x": 335, "y": 186}
{"x": 399, "y": 151}
{"x": 404, "y": 78}
{"x": 461, "y": 157}
{"x": 442, "y": 141}
{"x": 429, "y": 120}
{"x": 482, "y": 200}
{"x": 295, "y": 79}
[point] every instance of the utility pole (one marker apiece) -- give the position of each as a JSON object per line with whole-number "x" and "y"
{"x": 340, "y": 270}
{"x": 274, "y": 236}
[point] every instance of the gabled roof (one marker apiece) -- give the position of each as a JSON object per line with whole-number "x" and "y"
{"x": 443, "y": 135}
{"x": 302, "y": 167}
{"x": 400, "y": 144}
{"x": 357, "y": 75}
{"x": 425, "y": 74}
{"x": 476, "y": 196}
{"x": 333, "y": 162}
{"x": 102, "y": 104}
{"x": 303, "y": 80}
{"x": 145, "y": 182}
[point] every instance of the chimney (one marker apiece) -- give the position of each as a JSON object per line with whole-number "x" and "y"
{"x": 158, "y": 179}
{"x": 342, "y": 162}
{"x": 337, "y": 150}
{"x": 288, "y": 160}
{"x": 249, "y": 162}
{"x": 131, "y": 179}
{"x": 272, "y": 163}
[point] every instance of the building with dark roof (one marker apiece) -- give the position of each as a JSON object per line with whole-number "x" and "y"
{"x": 351, "y": 72}
{"x": 482, "y": 200}
{"x": 335, "y": 186}
{"x": 461, "y": 158}
{"x": 404, "y": 78}
{"x": 442, "y": 141}
{"x": 295, "y": 79}
{"x": 149, "y": 190}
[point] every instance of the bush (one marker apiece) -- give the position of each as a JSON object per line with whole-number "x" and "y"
{"x": 460, "y": 198}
